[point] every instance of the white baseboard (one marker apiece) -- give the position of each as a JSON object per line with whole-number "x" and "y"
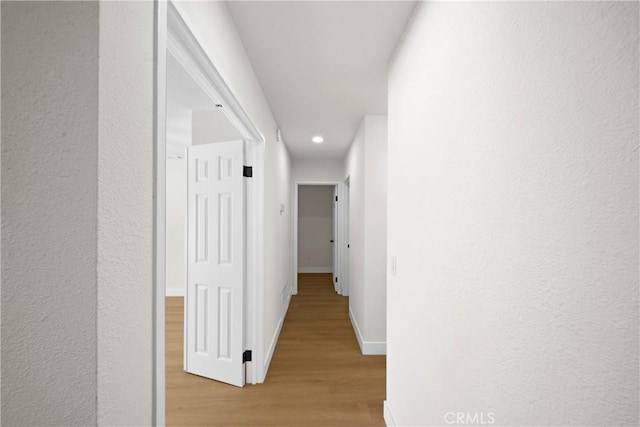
{"x": 274, "y": 340}
{"x": 388, "y": 417}
{"x": 315, "y": 269}
{"x": 174, "y": 292}
{"x": 367, "y": 347}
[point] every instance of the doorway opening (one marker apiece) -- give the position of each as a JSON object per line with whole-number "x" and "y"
{"x": 321, "y": 233}
{"x": 316, "y": 229}
{"x": 204, "y": 137}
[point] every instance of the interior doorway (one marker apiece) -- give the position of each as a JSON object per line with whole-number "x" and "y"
{"x": 316, "y": 229}
{"x": 320, "y": 233}
{"x": 195, "y": 107}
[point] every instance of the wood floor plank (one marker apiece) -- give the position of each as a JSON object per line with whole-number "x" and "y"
{"x": 317, "y": 376}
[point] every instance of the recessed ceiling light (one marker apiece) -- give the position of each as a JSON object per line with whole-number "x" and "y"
{"x": 317, "y": 139}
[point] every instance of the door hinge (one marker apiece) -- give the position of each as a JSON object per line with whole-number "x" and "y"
{"x": 336, "y": 279}
{"x": 247, "y": 171}
{"x": 246, "y": 356}
{"x": 336, "y": 198}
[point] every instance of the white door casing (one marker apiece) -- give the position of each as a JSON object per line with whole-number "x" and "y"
{"x": 336, "y": 242}
{"x": 174, "y": 35}
{"x": 214, "y": 300}
{"x": 344, "y": 241}
{"x": 340, "y": 235}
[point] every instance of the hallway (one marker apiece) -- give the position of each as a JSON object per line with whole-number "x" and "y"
{"x": 318, "y": 377}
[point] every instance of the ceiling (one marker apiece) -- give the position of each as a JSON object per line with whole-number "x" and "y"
{"x": 322, "y": 65}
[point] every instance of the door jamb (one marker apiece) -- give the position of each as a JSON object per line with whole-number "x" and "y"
{"x": 173, "y": 34}
{"x": 341, "y": 237}
{"x": 345, "y": 215}
{"x": 159, "y": 214}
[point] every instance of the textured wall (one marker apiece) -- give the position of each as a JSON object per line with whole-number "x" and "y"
{"x": 513, "y": 213}
{"x": 77, "y": 220}
{"x": 49, "y": 185}
{"x": 315, "y": 228}
{"x": 125, "y": 212}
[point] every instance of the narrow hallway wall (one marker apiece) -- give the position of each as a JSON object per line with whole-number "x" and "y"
{"x": 366, "y": 167}
{"x": 126, "y": 214}
{"x": 317, "y": 170}
{"x": 513, "y": 214}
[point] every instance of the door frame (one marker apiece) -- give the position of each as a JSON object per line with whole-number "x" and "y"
{"x": 173, "y": 35}
{"x": 344, "y": 259}
{"x": 339, "y": 245}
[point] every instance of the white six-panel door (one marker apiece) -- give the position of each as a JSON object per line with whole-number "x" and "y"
{"x": 214, "y": 299}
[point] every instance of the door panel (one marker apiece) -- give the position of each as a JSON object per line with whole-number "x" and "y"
{"x": 214, "y": 339}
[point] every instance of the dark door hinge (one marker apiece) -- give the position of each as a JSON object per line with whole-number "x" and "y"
{"x": 247, "y": 171}
{"x": 246, "y": 356}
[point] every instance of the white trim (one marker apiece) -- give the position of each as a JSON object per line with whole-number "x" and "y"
{"x": 294, "y": 241}
{"x": 186, "y": 270}
{"x": 315, "y": 270}
{"x": 174, "y": 292}
{"x": 254, "y": 305}
{"x": 374, "y": 348}
{"x": 256, "y": 298}
{"x": 274, "y": 340}
{"x": 388, "y": 416}
{"x": 294, "y": 263}
{"x": 356, "y": 329}
{"x": 343, "y": 238}
{"x": 187, "y": 50}
{"x": 367, "y": 348}
{"x": 160, "y": 115}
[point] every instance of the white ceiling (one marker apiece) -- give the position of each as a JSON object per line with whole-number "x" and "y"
{"x": 322, "y": 65}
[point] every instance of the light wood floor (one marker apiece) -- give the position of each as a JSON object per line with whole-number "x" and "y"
{"x": 317, "y": 376}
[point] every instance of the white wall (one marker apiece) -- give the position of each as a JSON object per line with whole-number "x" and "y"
{"x": 513, "y": 214}
{"x": 49, "y": 192}
{"x": 375, "y": 225}
{"x": 365, "y": 165}
{"x": 176, "y": 217}
{"x": 125, "y": 213}
{"x": 77, "y": 191}
{"x": 211, "y": 126}
{"x": 315, "y": 228}
{"x": 213, "y": 27}
{"x": 318, "y": 170}
{"x": 354, "y": 169}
